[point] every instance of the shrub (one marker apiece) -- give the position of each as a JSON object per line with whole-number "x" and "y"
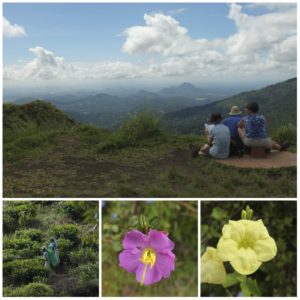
{"x": 86, "y": 272}
{"x": 66, "y": 231}
{"x": 32, "y": 234}
{"x": 64, "y": 249}
{"x": 30, "y": 290}
{"x": 74, "y": 209}
{"x": 88, "y": 282}
{"x": 23, "y": 271}
{"x": 17, "y": 214}
{"x": 83, "y": 256}
{"x": 138, "y": 128}
{"x": 24, "y": 246}
{"x": 286, "y": 134}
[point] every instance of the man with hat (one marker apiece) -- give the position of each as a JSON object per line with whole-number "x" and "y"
{"x": 236, "y": 144}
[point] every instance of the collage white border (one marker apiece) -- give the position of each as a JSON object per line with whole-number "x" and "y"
{"x": 134, "y": 199}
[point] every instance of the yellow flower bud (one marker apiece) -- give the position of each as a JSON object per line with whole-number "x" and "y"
{"x": 246, "y": 244}
{"x": 212, "y": 268}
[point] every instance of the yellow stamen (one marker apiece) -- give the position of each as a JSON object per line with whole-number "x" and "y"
{"x": 148, "y": 258}
{"x": 144, "y": 274}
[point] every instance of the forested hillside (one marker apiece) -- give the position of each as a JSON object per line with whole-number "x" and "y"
{"x": 277, "y": 102}
{"x": 28, "y": 226}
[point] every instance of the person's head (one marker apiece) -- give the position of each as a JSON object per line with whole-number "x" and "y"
{"x": 235, "y": 111}
{"x": 44, "y": 249}
{"x": 215, "y": 118}
{"x": 52, "y": 240}
{"x": 252, "y": 107}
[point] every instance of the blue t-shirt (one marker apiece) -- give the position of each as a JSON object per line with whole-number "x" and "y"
{"x": 255, "y": 126}
{"x": 220, "y": 136}
{"x": 232, "y": 123}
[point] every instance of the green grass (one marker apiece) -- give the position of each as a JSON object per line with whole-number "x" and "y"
{"x": 138, "y": 160}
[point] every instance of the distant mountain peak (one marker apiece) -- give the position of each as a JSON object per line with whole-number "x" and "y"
{"x": 185, "y": 89}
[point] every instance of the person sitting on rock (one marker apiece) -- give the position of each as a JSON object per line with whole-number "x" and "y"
{"x": 236, "y": 144}
{"x": 252, "y": 130}
{"x": 218, "y": 138}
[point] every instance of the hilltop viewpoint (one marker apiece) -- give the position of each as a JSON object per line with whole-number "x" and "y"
{"x": 49, "y": 154}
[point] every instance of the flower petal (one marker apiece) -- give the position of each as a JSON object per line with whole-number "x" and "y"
{"x": 227, "y": 249}
{"x": 158, "y": 240}
{"x": 234, "y": 230}
{"x": 135, "y": 239}
{"x": 245, "y": 261}
{"x": 152, "y": 275}
{"x": 212, "y": 268}
{"x": 129, "y": 259}
{"x": 165, "y": 263}
{"x": 265, "y": 249}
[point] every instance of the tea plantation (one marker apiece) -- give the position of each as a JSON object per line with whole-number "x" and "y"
{"x": 28, "y": 226}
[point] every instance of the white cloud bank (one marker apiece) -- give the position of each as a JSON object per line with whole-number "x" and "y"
{"x": 262, "y": 45}
{"x": 12, "y": 30}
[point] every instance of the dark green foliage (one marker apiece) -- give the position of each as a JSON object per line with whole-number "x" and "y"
{"x": 16, "y": 214}
{"x": 179, "y": 219}
{"x": 23, "y": 270}
{"x": 30, "y": 290}
{"x": 275, "y": 278}
{"x": 22, "y": 253}
{"x": 66, "y": 231}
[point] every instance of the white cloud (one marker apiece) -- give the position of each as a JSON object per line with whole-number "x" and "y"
{"x": 262, "y": 44}
{"x": 12, "y": 30}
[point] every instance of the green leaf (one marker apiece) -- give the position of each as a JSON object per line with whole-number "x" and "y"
{"x": 117, "y": 245}
{"x": 232, "y": 279}
{"x": 155, "y": 222}
{"x": 133, "y": 222}
{"x": 250, "y": 288}
{"x": 219, "y": 213}
{"x": 144, "y": 224}
{"x": 253, "y": 287}
{"x": 245, "y": 289}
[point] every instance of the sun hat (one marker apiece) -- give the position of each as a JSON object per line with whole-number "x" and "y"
{"x": 235, "y": 111}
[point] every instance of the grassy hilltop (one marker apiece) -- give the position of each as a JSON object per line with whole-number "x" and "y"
{"x": 46, "y": 154}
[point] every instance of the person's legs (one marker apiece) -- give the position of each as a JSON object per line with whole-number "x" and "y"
{"x": 204, "y": 150}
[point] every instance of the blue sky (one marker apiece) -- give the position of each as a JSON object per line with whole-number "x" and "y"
{"x": 90, "y": 31}
{"x": 163, "y": 39}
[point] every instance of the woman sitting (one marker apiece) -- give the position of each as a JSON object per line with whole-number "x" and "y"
{"x": 253, "y": 130}
{"x": 218, "y": 138}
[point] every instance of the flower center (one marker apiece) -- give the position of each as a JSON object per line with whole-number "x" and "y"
{"x": 245, "y": 243}
{"x": 148, "y": 258}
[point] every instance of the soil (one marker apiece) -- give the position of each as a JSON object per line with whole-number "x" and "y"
{"x": 272, "y": 160}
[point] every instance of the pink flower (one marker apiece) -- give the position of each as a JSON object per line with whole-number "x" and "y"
{"x": 149, "y": 256}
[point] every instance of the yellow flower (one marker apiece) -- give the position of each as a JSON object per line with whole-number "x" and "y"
{"x": 212, "y": 268}
{"x": 246, "y": 245}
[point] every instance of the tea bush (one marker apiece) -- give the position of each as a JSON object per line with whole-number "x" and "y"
{"x": 30, "y": 290}
{"x": 66, "y": 231}
{"x": 23, "y": 271}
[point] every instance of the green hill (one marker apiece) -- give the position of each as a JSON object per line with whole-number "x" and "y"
{"x": 48, "y": 155}
{"x": 37, "y": 113}
{"x": 277, "y": 102}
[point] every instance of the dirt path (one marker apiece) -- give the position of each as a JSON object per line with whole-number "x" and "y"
{"x": 273, "y": 160}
